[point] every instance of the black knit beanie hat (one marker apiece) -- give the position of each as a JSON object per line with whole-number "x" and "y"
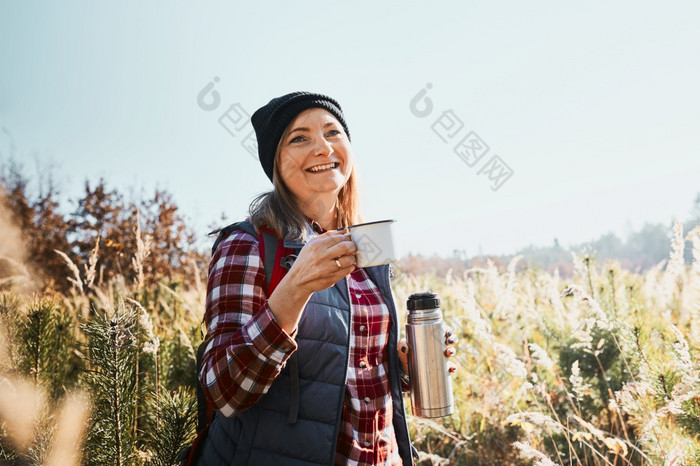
{"x": 271, "y": 120}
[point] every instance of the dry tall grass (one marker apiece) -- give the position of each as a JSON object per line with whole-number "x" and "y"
{"x": 601, "y": 369}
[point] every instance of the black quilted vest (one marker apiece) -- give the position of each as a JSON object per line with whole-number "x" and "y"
{"x": 297, "y": 421}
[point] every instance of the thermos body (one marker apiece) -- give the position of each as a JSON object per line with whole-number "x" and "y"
{"x": 431, "y": 384}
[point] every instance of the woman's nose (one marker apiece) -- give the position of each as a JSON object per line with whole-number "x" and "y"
{"x": 323, "y": 147}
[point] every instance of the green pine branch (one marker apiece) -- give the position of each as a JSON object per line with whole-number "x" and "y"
{"x": 112, "y": 353}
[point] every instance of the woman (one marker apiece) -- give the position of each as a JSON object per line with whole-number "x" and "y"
{"x": 307, "y": 371}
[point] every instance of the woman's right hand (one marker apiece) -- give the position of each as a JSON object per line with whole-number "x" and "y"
{"x": 314, "y": 269}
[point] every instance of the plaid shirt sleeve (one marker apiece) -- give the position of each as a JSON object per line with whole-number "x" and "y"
{"x": 246, "y": 348}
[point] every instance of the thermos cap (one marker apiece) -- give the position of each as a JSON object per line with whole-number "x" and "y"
{"x": 422, "y": 301}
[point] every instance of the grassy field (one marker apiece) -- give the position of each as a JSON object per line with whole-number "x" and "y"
{"x": 600, "y": 368}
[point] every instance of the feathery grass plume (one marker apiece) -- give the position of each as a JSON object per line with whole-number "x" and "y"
{"x": 10, "y": 313}
{"x": 531, "y": 453}
{"x": 529, "y": 419}
{"x": 684, "y": 362}
{"x": 143, "y": 249}
{"x": 151, "y": 342}
{"x": 629, "y": 397}
{"x": 66, "y": 449}
{"x": 20, "y": 409}
{"x": 75, "y": 279}
{"x": 91, "y": 268}
{"x": 552, "y": 294}
{"x": 482, "y": 329}
{"x": 541, "y": 357}
{"x": 112, "y": 353}
{"x": 653, "y": 287}
{"x": 617, "y": 446}
{"x": 12, "y": 248}
{"x": 581, "y": 296}
{"x": 19, "y": 276}
{"x": 44, "y": 338}
{"x": 175, "y": 426}
{"x": 509, "y": 360}
{"x": 505, "y": 308}
{"x": 490, "y": 281}
{"x": 441, "y": 443}
{"x": 435, "y": 460}
{"x": 579, "y": 387}
{"x": 676, "y": 456}
{"x": 146, "y": 362}
{"x": 194, "y": 305}
{"x": 674, "y": 270}
{"x": 199, "y": 286}
{"x": 683, "y": 400}
{"x": 691, "y": 295}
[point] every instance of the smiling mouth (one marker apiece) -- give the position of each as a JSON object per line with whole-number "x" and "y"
{"x": 323, "y": 168}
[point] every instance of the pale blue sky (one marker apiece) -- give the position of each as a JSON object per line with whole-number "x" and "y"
{"x": 595, "y": 106}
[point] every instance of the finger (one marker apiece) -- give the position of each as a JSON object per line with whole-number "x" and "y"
{"x": 331, "y": 233}
{"x": 451, "y": 340}
{"x": 325, "y": 240}
{"x": 329, "y": 239}
{"x": 403, "y": 355}
{"x": 449, "y": 352}
{"x": 448, "y": 332}
{"x": 342, "y": 248}
{"x": 451, "y": 367}
{"x": 344, "y": 262}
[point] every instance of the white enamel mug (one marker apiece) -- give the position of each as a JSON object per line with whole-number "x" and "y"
{"x": 375, "y": 242}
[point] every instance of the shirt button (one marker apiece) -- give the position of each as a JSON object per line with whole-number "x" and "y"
{"x": 363, "y": 329}
{"x": 358, "y": 295}
{"x": 367, "y": 400}
{"x": 368, "y": 443}
{"x": 363, "y": 364}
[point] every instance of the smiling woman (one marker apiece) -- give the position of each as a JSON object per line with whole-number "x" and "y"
{"x": 301, "y": 362}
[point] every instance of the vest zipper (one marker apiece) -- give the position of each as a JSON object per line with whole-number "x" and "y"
{"x": 345, "y": 378}
{"x": 394, "y": 363}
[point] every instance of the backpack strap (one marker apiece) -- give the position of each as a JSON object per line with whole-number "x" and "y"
{"x": 277, "y": 257}
{"x": 272, "y": 251}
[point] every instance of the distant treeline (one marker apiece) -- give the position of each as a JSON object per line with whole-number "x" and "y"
{"x": 640, "y": 250}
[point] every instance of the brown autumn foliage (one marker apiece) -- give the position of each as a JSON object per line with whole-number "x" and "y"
{"x": 103, "y": 218}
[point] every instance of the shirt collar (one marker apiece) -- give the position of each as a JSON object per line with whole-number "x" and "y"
{"x": 315, "y": 226}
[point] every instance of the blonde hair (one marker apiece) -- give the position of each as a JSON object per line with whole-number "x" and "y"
{"x": 278, "y": 209}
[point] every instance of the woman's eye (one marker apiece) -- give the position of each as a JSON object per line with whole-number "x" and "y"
{"x": 333, "y": 132}
{"x": 297, "y": 139}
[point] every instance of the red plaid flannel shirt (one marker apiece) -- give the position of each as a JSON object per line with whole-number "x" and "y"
{"x": 247, "y": 349}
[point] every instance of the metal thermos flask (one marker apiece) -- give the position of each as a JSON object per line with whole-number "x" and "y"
{"x": 431, "y": 384}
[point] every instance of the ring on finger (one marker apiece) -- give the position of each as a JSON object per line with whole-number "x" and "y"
{"x": 337, "y": 262}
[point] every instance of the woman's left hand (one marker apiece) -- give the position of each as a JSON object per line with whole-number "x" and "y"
{"x": 450, "y": 351}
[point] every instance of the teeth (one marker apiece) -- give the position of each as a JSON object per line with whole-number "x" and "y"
{"x": 323, "y": 167}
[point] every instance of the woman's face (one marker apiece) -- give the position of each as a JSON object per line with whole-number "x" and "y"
{"x": 315, "y": 155}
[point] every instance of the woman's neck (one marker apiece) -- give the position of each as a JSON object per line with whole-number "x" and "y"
{"x": 323, "y": 211}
